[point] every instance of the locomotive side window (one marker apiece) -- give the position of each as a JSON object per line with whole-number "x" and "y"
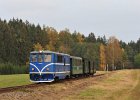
{"x": 59, "y": 58}
{"x": 40, "y": 57}
{"x": 47, "y": 58}
{"x": 33, "y": 58}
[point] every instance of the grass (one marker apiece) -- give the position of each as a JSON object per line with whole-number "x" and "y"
{"x": 92, "y": 93}
{"x": 134, "y": 94}
{"x": 122, "y": 85}
{"x": 14, "y": 80}
{"x": 100, "y": 72}
{"x": 20, "y": 79}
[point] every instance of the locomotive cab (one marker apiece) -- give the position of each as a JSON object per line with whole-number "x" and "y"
{"x": 41, "y": 68}
{"x": 46, "y": 66}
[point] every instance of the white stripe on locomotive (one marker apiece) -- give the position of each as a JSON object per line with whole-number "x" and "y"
{"x": 40, "y": 72}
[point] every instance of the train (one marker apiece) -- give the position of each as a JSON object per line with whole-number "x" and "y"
{"x": 49, "y": 66}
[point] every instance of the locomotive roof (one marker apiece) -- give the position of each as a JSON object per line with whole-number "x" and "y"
{"x": 47, "y": 51}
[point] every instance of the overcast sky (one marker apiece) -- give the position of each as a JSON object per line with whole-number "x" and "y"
{"x": 103, "y": 17}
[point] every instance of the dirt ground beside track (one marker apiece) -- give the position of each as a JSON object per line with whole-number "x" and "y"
{"x": 70, "y": 89}
{"x": 53, "y": 91}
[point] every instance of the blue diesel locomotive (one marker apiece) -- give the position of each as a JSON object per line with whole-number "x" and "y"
{"x": 47, "y": 66}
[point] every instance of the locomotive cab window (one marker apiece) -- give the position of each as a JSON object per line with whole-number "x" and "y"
{"x": 59, "y": 58}
{"x": 47, "y": 57}
{"x": 33, "y": 58}
{"x": 40, "y": 57}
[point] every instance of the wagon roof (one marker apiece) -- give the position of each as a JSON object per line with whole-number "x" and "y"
{"x": 75, "y": 57}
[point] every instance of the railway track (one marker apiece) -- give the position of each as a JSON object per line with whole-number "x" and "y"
{"x": 35, "y": 85}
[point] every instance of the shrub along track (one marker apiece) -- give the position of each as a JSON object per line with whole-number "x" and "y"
{"x": 50, "y": 91}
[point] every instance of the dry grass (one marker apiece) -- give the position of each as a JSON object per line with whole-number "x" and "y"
{"x": 117, "y": 85}
{"x": 123, "y": 85}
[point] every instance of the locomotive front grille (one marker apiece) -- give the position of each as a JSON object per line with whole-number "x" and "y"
{"x": 43, "y": 77}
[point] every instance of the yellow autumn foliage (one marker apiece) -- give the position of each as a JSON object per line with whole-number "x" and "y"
{"x": 38, "y": 47}
{"x": 102, "y": 57}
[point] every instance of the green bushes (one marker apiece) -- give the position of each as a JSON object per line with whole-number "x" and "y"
{"x": 9, "y": 68}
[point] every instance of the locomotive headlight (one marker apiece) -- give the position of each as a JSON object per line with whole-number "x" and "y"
{"x": 47, "y": 69}
{"x": 33, "y": 69}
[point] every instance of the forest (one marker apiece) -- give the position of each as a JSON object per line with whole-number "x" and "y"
{"x": 18, "y": 38}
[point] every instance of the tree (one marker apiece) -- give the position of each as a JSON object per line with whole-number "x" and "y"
{"x": 80, "y": 38}
{"x": 137, "y": 61}
{"x": 77, "y": 37}
{"x": 38, "y": 47}
{"x": 104, "y": 40}
{"x": 52, "y": 37}
{"x": 138, "y": 46}
{"x": 65, "y": 41}
{"x": 19, "y": 38}
{"x": 130, "y": 52}
{"x": 102, "y": 57}
{"x": 123, "y": 44}
{"x": 114, "y": 53}
{"x": 91, "y": 38}
{"x": 124, "y": 59}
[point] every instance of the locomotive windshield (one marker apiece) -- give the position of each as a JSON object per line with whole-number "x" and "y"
{"x": 33, "y": 57}
{"x": 47, "y": 58}
{"x": 40, "y": 57}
